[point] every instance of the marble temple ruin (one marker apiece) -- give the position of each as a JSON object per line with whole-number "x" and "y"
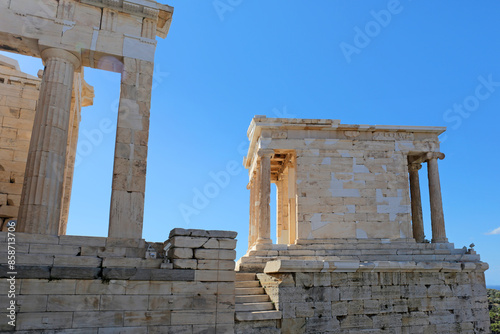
{"x": 351, "y": 254}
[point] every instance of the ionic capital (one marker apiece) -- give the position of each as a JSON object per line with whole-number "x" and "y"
{"x": 433, "y": 155}
{"x": 262, "y": 153}
{"x": 60, "y": 54}
{"x": 414, "y": 167}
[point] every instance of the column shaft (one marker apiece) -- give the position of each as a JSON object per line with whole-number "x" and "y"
{"x": 264, "y": 228}
{"x": 292, "y": 202}
{"x": 285, "y": 231}
{"x": 74, "y": 125}
{"x": 129, "y": 169}
{"x": 279, "y": 211}
{"x": 416, "y": 203}
{"x": 40, "y": 207}
{"x": 256, "y": 206}
{"x": 437, "y": 215}
{"x": 251, "y": 226}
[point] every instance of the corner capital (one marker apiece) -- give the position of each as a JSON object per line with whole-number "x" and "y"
{"x": 433, "y": 155}
{"x": 414, "y": 166}
{"x": 264, "y": 153}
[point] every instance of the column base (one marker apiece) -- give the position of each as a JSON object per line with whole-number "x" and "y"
{"x": 263, "y": 241}
{"x": 440, "y": 241}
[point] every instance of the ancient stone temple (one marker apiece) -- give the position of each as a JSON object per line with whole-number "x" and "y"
{"x": 68, "y": 35}
{"x": 351, "y": 254}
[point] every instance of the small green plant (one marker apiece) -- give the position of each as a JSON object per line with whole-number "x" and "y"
{"x": 494, "y": 307}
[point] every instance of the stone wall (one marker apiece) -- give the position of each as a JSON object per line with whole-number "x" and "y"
{"x": 103, "y": 285}
{"x": 353, "y": 189}
{"x": 18, "y": 98}
{"x": 380, "y": 302}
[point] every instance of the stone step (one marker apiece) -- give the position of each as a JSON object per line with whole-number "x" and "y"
{"x": 247, "y": 284}
{"x": 245, "y": 277}
{"x": 254, "y": 263}
{"x": 244, "y": 264}
{"x": 259, "y": 315}
{"x": 243, "y": 299}
{"x": 249, "y": 291}
{"x": 251, "y": 307}
{"x": 354, "y": 252}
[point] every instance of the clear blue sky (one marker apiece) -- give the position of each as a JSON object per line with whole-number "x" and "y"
{"x": 219, "y": 67}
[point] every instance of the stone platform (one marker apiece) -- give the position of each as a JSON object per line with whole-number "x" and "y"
{"x": 364, "y": 254}
{"x": 370, "y": 286}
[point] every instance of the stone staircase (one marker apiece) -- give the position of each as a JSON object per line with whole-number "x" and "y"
{"x": 252, "y": 302}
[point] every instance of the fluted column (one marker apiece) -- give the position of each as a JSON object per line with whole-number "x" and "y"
{"x": 40, "y": 207}
{"x": 74, "y": 125}
{"x": 264, "y": 228}
{"x": 437, "y": 215}
{"x": 83, "y": 96}
{"x": 416, "y": 202}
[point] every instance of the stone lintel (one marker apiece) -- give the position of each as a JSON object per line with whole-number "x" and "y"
{"x": 379, "y": 132}
{"x": 98, "y": 46}
{"x": 143, "y": 8}
{"x": 9, "y": 63}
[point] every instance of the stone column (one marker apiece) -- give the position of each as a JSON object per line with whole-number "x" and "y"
{"x": 131, "y": 148}
{"x": 264, "y": 228}
{"x": 40, "y": 207}
{"x": 285, "y": 230}
{"x": 74, "y": 125}
{"x": 437, "y": 215}
{"x": 255, "y": 207}
{"x": 292, "y": 201}
{"x": 83, "y": 96}
{"x": 279, "y": 209}
{"x": 416, "y": 203}
{"x": 251, "y": 228}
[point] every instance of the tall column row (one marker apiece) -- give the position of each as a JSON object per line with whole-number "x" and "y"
{"x": 436, "y": 202}
{"x": 50, "y": 163}
{"x": 260, "y": 189}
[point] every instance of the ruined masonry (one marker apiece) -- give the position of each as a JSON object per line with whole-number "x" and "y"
{"x": 18, "y": 99}
{"x": 68, "y": 35}
{"x": 351, "y": 254}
